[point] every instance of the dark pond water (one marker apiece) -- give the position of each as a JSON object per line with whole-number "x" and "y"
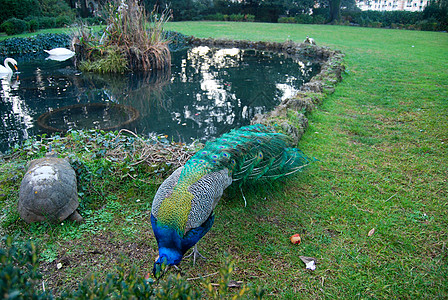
{"x": 206, "y": 93}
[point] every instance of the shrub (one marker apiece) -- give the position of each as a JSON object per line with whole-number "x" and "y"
{"x": 178, "y": 41}
{"x": 304, "y": 19}
{"x": 37, "y": 43}
{"x": 62, "y": 21}
{"x": 376, "y": 24}
{"x": 237, "y": 17}
{"x": 20, "y": 279}
{"x": 32, "y": 25}
{"x": 249, "y": 18}
{"x": 47, "y": 22}
{"x": 319, "y": 19}
{"x": 215, "y": 17}
{"x": 55, "y": 8}
{"x": 388, "y": 19}
{"x": 14, "y": 26}
{"x": 287, "y": 20}
{"x": 18, "y": 9}
{"x": 232, "y": 17}
{"x": 436, "y": 11}
{"x": 19, "y": 276}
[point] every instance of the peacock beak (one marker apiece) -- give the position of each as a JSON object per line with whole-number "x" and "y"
{"x": 16, "y": 68}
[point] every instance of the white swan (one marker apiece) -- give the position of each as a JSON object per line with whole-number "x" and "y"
{"x": 60, "y": 57}
{"x": 6, "y": 69}
{"x": 60, "y": 51}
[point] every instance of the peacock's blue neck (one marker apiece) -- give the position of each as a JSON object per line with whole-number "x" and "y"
{"x": 169, "y": 242}
{"x": 169, "y": 256}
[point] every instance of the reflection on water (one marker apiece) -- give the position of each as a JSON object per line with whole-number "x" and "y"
{"x": 207, "y": 92}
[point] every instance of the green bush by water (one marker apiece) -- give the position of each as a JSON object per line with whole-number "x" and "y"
{"x": 13, "y": 26}
{"x": 18, "y": 46}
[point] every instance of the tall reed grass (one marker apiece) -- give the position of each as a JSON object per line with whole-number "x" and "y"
{"x": 137, "y": 36}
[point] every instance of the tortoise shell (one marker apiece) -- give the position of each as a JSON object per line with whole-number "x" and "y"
{"x": 48, "y": 191}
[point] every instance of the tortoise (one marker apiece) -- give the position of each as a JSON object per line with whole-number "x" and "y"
{"x": 48, "y": 191}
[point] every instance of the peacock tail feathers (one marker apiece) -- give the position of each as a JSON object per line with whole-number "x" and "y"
{"x": 251, "y": 153}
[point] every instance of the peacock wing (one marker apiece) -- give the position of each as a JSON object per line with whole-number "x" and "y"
{"x": 206, "y": 193}
{"x": 165, "y": 190}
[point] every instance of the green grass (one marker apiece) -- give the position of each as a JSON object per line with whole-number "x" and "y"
{"x": 381, "y": 143}
{"x": 3, "y": 36}
{"x": 381, "y": 140}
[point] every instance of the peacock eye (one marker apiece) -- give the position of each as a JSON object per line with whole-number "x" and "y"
{"x": 204, "y": 152}
{"x": 221, "y": 147}
{"x": 215, "y": 156}
{"x": 202, "y": 161}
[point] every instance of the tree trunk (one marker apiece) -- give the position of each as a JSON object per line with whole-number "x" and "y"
{"x": 72, "y": 3}
{"x": 335, "y": 10}
{"x": 84, "y": 9}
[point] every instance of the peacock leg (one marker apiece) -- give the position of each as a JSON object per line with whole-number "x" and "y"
{"x": 195, "y": 254}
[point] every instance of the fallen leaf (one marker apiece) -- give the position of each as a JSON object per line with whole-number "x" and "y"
{"x": 371, "y": 232}
{"x": 310, "y": 262}
{"x": 311, "y": 265}
{"x": 295, "y": 239}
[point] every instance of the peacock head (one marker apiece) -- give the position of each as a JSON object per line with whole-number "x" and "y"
{"x": 167, "y": 257}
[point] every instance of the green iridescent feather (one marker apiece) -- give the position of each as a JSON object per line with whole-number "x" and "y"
{"x": 251, "y": 153}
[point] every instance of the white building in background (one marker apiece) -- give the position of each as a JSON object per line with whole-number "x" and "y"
{"x": 391, "y": 5}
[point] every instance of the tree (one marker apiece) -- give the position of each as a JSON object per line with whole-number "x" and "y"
{"x": 437, "y": 10}
{"x": 335, "y": 10}
{"x": 349, "y": 5}
{"x": 182, "y": 9}
{"x": 18, "y": 9}
{"x": 55, "y": 8}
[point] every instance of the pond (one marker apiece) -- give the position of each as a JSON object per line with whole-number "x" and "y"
{"x": 206, "y": 93}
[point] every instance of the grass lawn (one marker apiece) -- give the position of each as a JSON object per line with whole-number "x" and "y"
{"x": 381, "y": 140}
{"x": 3, "y": 36}
{"x": 381, "y": 143}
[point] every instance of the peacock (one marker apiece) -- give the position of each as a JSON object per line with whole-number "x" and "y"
{"x": 182, "y": 209}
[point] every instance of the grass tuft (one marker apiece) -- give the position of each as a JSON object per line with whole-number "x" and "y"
{"x": 131, "y": 39}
